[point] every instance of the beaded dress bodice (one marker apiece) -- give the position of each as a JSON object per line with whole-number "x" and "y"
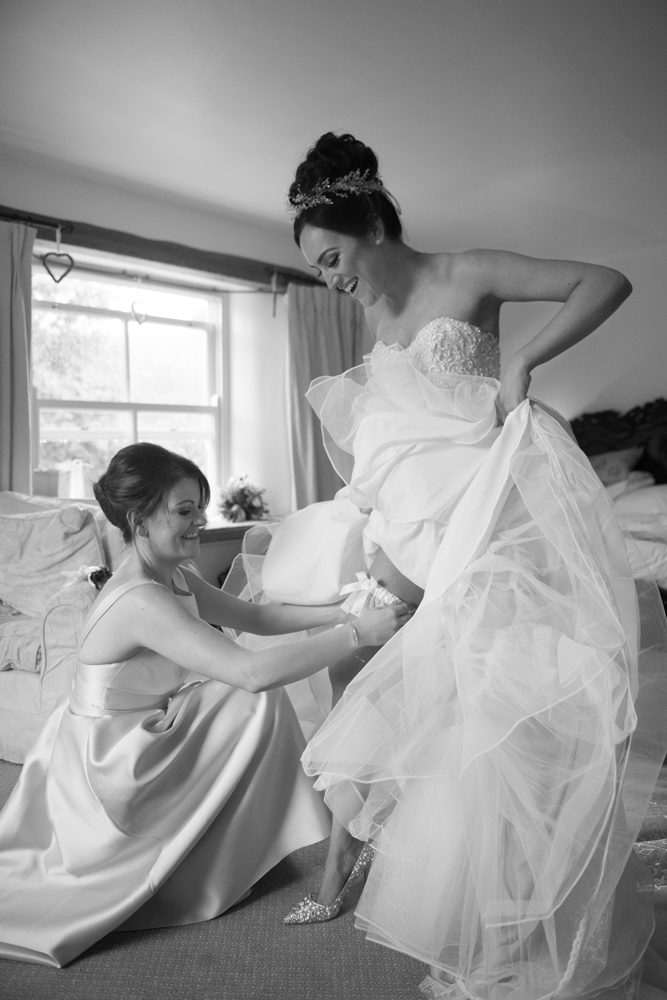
{"x": 446, "y": 346}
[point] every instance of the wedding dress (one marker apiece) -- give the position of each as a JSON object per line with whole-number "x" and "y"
{"x": 500, "y": 751}
{"x": 149, "y": 800}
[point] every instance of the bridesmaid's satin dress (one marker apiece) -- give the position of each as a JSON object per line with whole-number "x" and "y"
{"x": 149, "y": 800}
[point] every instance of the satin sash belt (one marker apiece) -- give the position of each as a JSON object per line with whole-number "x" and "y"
{"x": 92, "y": 695}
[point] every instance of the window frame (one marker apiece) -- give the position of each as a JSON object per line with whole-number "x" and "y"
{"x": 118, "y": 270}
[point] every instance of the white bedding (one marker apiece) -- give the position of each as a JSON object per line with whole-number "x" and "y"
{"x": 648, "y": 560}
{"x": 641, "y": 508}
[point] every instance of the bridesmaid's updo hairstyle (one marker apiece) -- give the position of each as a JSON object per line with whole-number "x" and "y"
{"x": 331, "y": 158}
{"x": 138, "y": 480}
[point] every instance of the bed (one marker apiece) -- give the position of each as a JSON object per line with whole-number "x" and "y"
{"x": 629, "y": 453}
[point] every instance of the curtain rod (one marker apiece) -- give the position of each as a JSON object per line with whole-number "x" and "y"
{"x": 40, "y": 221}
{"x": 142, "y": 277}
{"x": 87, "y": 236}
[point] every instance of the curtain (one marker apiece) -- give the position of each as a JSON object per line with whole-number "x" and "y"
{"x": 327, "y": 334}
{"x": 16, "y": 243}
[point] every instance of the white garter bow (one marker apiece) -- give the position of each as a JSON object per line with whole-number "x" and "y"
{"x": 364, "y": 584}
{"x": 363, "y": 588}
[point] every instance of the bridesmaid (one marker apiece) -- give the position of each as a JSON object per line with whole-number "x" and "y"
{"x": 156, "y": 797}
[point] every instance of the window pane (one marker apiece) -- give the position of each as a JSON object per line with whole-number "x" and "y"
{"x": 189, "y": 434}
{"x": 78, "y": 357}
{"x": 89, "y": 291}
{"x": 168, "y": 364}
{"x": 93, "y": 436}
{"x": 102, "y": 360}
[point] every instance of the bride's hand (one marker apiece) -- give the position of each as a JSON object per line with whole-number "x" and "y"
{"x": 375, "y": 627}
{"x": 513, "y": 388}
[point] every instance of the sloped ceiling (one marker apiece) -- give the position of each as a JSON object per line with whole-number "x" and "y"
{"x": 526, "y": 124}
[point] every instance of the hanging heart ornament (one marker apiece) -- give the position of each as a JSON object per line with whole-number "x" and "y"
{"x": 140, "y": 316}
{"x": 58, "y": 265}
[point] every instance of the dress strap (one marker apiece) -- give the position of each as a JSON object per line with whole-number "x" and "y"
{"x": 108, "y": 602}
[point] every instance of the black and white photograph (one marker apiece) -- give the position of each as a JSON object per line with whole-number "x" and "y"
{"x": 333, "y": 500}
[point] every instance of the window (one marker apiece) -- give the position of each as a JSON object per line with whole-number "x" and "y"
{"x": 118, "y": 358}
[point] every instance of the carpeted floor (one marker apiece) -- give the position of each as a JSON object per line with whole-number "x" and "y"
{"x": 247, "y": 954}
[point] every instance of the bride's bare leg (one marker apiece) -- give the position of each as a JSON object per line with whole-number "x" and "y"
{"x": 386, "y": 574}
{"x": 383, "y": 570}
{"x": 343, "y": 847}
{"x": 441, "y": 976}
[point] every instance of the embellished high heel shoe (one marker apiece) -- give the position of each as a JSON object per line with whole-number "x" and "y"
{"x": 435, "y": 990}
{"x": 309, "y": 911}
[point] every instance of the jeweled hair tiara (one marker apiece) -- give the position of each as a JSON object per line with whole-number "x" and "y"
{"x": 355, "y": 182}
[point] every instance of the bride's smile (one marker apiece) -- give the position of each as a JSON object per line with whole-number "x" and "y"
{"x": 465, "y": 751}
{"x": 348, "y": 264}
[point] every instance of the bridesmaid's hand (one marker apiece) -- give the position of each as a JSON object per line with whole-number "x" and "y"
{"x": 375, "y": 627}
{"x": 343, "y": 617}
{"x": 513, "y": 388}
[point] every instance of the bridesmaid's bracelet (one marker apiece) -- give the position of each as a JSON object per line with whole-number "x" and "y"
{"x": 356, "y": 644}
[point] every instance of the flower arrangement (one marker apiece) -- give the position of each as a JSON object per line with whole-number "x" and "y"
{"x": 242, "y": 501}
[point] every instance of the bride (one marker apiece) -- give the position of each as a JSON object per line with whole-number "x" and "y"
{"x": 499, "y": 752}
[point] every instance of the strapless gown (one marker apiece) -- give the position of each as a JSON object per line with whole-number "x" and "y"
{"x": 500, "y": 751}
{"x": 149, "y": 800}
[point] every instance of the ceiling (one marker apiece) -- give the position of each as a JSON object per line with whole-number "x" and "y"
{"x": 528, "y": 124}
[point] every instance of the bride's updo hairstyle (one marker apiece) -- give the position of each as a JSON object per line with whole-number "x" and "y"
{"x": 138, "y": 481}
{"x": 331, "y": 158}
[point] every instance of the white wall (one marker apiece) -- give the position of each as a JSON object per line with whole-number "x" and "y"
{"x": 622, "y": 364}
{"x": 552, "y": 143}
{"x": 44, "y": 186}
{"x": 259, "y": 435}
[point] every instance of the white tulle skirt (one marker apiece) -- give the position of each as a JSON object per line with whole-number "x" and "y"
{"x": 501, "y": 750}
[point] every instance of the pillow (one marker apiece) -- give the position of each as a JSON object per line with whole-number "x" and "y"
{"x": 114, "y": 548}
{"x": 643, "y": 513}
{"x": 35, "y": 550}
{"x": 635, "y": 481}
{"x": 649, "y": 526}
{"x": 615, "y": 466}
{"x": 25, "y": 503}
{"x": 649, "y": 500}
{"x": 648, "y": 560}
{"x": 6, "y": 611}
{"x": 20, "y": 643}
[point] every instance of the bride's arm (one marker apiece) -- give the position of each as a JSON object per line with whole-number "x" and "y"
{"x": 153, "y": 618}
{"x": 590, "y": 293}
{"x": 219, "y": 608}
